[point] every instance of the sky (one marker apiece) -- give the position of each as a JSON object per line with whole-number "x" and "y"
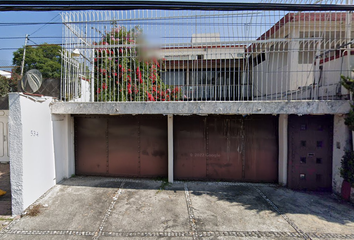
{"x": 17, "y": 33}
{"x": 15, "y": 25}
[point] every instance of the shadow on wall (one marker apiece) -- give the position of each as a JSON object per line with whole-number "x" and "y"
{"x": 5, "y": 200}
{"x": 323, "y": 206}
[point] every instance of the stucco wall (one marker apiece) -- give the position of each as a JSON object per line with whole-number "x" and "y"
{"x": 341, "y": 142}
{"x": 31, "y": 149}
{"x": 182, "y": 108}
{"x": 63, "y": 132}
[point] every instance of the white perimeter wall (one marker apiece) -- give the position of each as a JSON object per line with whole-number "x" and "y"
{"x": 34, "y": 132}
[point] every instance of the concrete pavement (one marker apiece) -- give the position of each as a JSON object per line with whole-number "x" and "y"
{"x": 107, "y": 208}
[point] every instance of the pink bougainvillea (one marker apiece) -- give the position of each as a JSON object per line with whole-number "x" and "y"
{"x": 125, "y": 73}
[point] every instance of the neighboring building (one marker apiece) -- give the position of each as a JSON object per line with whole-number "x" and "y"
{"x": 4, "y": 114}
{"x": 295, "y": 57}
{"x": 206, "y": 73}
{"x": 6, "y": 74}
{"x": 252, "y": 109}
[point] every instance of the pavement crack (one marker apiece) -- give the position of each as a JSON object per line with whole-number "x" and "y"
{"x": 191, "y": 217}
{"x": 283, "y": 215}
{"x": 98, "y": 233}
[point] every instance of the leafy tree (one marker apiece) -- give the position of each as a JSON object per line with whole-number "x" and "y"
{"x": 45, "y": 57}
{"x": 8, "y": 85}
{"x": 4, "y": 86}
{"x": 128, "y": 73}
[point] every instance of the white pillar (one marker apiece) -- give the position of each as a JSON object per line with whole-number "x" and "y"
{"x": 63, "y": 130}
{"x": 283, "y": 150}
{"x": 170, "y": 147}
{"x": 341, "y": 142}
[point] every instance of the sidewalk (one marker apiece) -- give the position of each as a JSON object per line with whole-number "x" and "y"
{"x": 106, "y": 208}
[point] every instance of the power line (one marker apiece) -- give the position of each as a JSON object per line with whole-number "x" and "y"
{"x": 125, "y": 21}
{"x": 12, "y": 48}
{"x": 10, "y": 24}
{"x": 32, "y": 41}
{"x": 40, "y": 37}
{"x": 100, "y": 37}
{"x": 65, "y": 5}
{"x": 45, "y": 24}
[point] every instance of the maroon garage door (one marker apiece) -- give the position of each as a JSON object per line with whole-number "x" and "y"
{"x": 233, "y": 148}
{"x": 125, "y": 146}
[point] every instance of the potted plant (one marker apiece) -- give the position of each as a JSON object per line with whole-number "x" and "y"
{"x": 347, "y": 173}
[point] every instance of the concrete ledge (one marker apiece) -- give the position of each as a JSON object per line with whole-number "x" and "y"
{"x": 182, "y": 108}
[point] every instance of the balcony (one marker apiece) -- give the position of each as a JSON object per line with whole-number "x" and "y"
{"x": 146, "y": 56}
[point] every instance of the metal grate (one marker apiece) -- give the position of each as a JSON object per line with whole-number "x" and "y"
{"x": 188, "y": 55}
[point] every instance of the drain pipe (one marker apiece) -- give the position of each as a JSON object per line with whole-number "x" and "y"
{"x": 170, "y": 147}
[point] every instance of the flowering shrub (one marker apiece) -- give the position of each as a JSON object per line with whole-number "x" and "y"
{"x": 127, "y": 73}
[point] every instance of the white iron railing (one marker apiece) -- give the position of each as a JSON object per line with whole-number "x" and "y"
{"x": 170, "y": 55}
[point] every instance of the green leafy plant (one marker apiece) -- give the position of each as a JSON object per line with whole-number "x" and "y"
{"x": 347, "y": 167}
{"x": 7, "y": 85}
{"x": 164, "y": 183}
{"x": 347, "y": 162}
{"x": 4, "y": 86}
{"x": 45, "y": 57}
{"x": 349, "y": 119}
{"x": 348, "y": 83}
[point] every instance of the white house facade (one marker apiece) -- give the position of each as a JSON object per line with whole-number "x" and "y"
{"x": 190, "y": 95}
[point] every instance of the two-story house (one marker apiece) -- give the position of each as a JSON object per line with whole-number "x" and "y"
{"x": 197, "y": 95}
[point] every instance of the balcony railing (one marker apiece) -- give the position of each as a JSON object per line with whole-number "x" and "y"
{"x": 170, "y": 55}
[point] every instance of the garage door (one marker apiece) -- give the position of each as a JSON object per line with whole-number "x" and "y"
{"x": 232, "y": 148}
{"x": 124, "y": 146}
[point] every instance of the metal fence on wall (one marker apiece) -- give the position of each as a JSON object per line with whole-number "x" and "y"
{"x": 192, "y": 55}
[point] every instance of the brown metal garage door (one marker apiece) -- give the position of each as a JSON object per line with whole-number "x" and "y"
{"x": 310, "y": 152}
{"x": 125, "y": 146}
{"x": 233, "y": 148}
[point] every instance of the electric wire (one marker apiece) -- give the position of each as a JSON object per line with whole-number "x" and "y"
{"x": 45, "y": 24}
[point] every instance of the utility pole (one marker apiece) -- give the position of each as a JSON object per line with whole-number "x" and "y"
{"x": 24, "y": 54}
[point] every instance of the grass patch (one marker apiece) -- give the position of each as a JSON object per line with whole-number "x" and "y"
{"x": 164, "y": 184}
